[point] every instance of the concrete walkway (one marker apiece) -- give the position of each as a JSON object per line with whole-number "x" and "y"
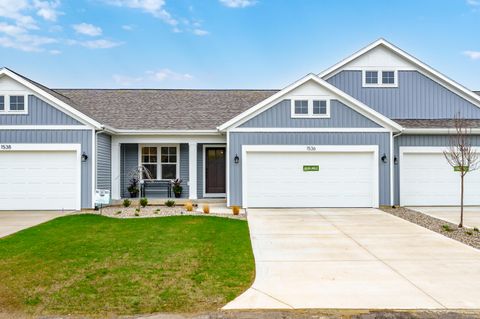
{"x": 12, "y": 222}
{"x": 471, "y": 214}
{"x": 357, "y": 259}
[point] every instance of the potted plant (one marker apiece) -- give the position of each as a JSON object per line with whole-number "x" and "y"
{"x": 133, "y": 188}
{"x": 177, "y": 187}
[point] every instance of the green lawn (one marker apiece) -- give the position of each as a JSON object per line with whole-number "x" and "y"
{"x": 93, "y": 265}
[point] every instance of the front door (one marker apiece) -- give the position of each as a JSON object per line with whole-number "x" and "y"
{"x": 215, "y": 171}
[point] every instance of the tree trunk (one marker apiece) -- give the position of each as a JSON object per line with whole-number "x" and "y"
{"x": 461, "y": 203}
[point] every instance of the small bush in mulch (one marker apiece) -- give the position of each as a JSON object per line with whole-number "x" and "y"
{"x": 463, "y": 235}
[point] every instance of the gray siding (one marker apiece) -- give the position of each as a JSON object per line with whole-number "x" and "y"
{"x": 239, "y": 139}
{"x": 128, "y": 162}
{"x": 83, "y": 137}
{"x": 279, "y": 115}
{"x": 420, "y": 140}
{"x": 39, "y": 113}
{"x": 416, "y": 97}
{"x": 184, "y": 155}
{"x": 104, "y": 161}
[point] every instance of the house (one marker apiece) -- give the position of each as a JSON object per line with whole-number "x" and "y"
{"x": 368, "y": 131}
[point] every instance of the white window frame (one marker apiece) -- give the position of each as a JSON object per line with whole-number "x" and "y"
{"x": 7, "y": 96}
{"x": 159, "y": 160}
{"x": 310, "y": 100}
{"x": 380, "y": 83}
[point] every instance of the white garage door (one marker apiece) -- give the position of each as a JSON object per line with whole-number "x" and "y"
{"x": 291, "y": 179}
{"x": 38, "y": 180}
{"x": 427, "y": 179}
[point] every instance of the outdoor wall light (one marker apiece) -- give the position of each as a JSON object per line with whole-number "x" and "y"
{"x": 384, "y": 158}
{"x": 84, "y": 157}
{"x": 236, "y": 159}
{"x": 395, "y": 160}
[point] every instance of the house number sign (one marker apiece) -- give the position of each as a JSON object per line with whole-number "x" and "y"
{"x": 311, "y": 148}
{"x": 5, "y": 147}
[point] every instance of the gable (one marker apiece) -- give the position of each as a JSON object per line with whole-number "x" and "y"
{"x": 415, "y": 97}
{"x": 38, "y": 112}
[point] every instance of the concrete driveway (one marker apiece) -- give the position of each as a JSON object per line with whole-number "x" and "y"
{"x": 471, "y": 214}
{"x": 356, "y": 258}
{"x": 12, "y": 222}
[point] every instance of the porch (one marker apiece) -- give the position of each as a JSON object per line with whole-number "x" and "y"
{"x": 201, "y": 167}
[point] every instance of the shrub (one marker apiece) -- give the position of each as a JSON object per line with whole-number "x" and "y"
{"x": 206, "y": 209}
{"x": 236, "y": 210}
{"x": 143, "y": 202}
{"x": 188, "y": 206}
{"x": 137, "y": 210}
{"x": 157, "y": 211}
{"x": 170, "y": 203}
{"x": 447, "y": 228}
{"x": 475, "y": 229}
{"x": 469, "y": 232}
{"x": 137, "y": 214}
{"x": 126, "y": 202}
{"x": 118, "y": 212}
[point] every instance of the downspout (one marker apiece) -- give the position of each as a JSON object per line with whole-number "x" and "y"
{"x": 392, "y": 167}
{"x": 102, "y": 130}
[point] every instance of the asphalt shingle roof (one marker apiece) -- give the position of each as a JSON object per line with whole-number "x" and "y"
{"x": 163, "y": 109}
{"x": 442, "y": 123}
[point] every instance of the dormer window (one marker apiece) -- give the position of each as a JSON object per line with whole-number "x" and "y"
{"x": 13, "y": 104}
{"x": 380, "y": 78}
{"x": 310, "y": 107}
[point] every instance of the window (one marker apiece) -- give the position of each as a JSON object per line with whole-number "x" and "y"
{"x": 371, "y": 77}
{"x": 169, "y": 162}
{"x": 17, "y": 102}
{"x": 319, "y": 107}
{"x": 388, "y": 77}
{"x": 2, "y": 103}
{"x": 160, "y": 162}
{"x": 149, "y": 162}
{"x": 301, "y": 107}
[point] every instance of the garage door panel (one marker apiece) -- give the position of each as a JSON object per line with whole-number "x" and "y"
{"x": 427, "y": 179}
{"x": 38, "y": 180}
{"x": 277, "y": 179}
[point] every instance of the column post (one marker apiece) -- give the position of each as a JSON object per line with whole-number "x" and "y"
{"x": 192, "y": 170}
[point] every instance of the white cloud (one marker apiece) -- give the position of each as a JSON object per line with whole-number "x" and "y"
{"x": 26, "y": 42}
{"x": 87, "y": 29}
{"x": 150, "y": 77}
{"x": 473, "y": 2}
{"x": 127, "y": 27}
{"x": 11, "y": 29}
{"x": 200, "y": 32}
{"x": 13, "y": 9}
{"x": 55, "y": 52}
{"x": 154, "y": 7}
{"x": 474, "y": 55}
{"x": 240, "y": 3}
{"x": 97, "y": 44}
{"x": 47, "y": 9}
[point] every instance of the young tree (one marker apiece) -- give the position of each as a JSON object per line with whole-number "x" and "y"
{"x": 461, "y": 155}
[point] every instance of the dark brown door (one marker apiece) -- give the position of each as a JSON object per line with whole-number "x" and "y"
{"x": 215, "y": 170}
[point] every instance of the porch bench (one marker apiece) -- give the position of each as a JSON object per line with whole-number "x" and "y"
{"x": 151, "y": 188}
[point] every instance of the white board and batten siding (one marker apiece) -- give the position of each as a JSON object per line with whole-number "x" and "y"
{"x": 274, "y": 176}
{"x": 426, "y": 179}
{"x": 40, "y": 177}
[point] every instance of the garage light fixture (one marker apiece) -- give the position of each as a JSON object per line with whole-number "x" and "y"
{"x": 84, "y": 157}
{"x": 384, "y": 158}
{"x": 236, "y": 159}
{"x": 395, "y": 160}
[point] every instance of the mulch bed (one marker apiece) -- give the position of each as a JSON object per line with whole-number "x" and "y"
{"x": 464, "y": 235}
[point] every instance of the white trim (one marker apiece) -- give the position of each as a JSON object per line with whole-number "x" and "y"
{"x": 379, "y": 83}
{"x": 44, "y": 127}
{"x": 6, "y": 99}
{"x": 192, "y": 170}
{"x": 159, "y": 158}
{"x": 392, "y": 175}
{"x": 116, "y": 170}
{"x": 54, "y": 147}
{"x": 227, "y": 160}
{"x": 311, "y": 130}
{"x": 72, "y": 111}
{"x": 423, "y": 68}
{"x": 170, "y": 139}
{"x": 437, "y": 131}
{"x": 164, "y": 132}
{"x": 307, "y": 149}
{"x": 310, "y": 113}
{"x": 347, "y": 99}
{"x": 204, "y": 158}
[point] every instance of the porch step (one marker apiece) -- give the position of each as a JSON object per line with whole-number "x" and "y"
{"x": 178, "y": 201}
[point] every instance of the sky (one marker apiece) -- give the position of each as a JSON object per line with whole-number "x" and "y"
{"x": 226, "y": 44}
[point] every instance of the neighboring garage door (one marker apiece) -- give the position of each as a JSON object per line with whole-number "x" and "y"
{"x": 427, "y": 179}
{"x": 39, "y": 180}
{"x": 335, "y": 176}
